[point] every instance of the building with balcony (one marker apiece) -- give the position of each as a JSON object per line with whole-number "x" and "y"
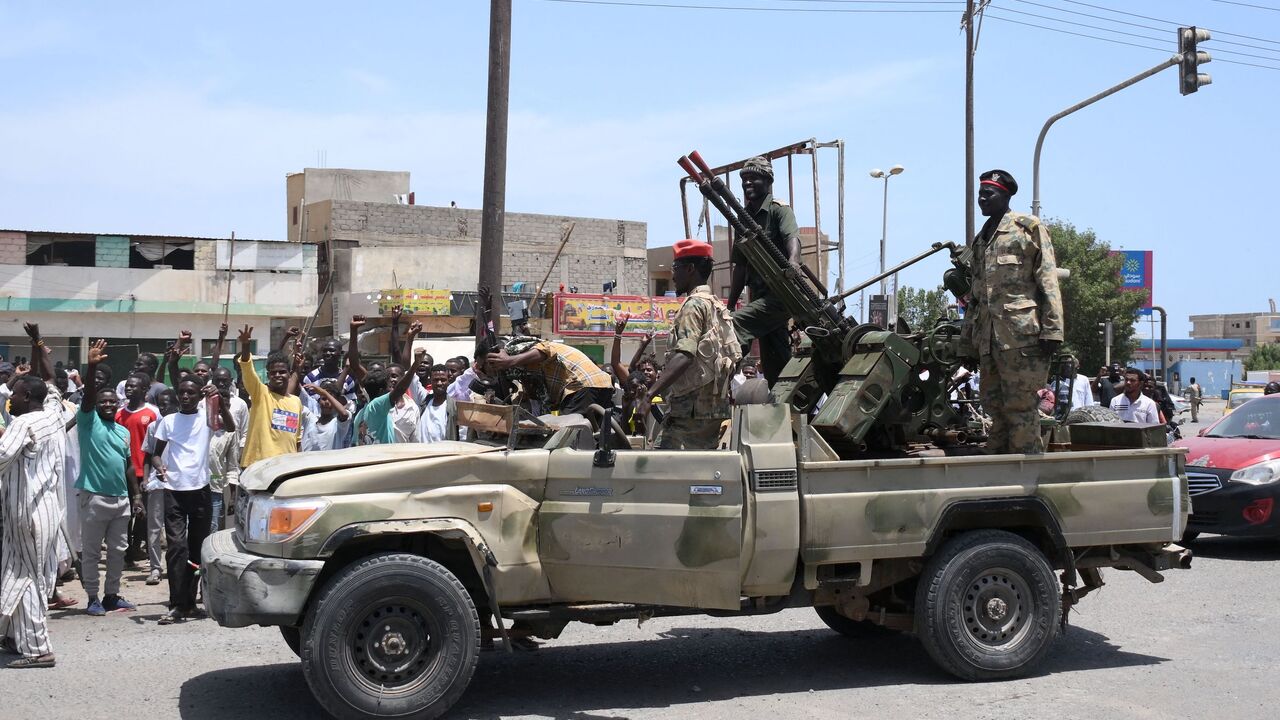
{"x": 138, "y": 291}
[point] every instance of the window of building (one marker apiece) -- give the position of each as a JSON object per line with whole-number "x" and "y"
{"x": 1246, "y": 324}
{"x": 49, "y": 250}
{"x": 174, "y": 253}
{"x": 660, "y": 286}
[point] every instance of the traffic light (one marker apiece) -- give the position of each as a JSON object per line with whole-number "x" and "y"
{"x": 1190, "y": 78}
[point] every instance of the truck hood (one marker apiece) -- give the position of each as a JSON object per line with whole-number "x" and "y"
{"x": 262, "y": 475}
{"x": 1228, "y": 453}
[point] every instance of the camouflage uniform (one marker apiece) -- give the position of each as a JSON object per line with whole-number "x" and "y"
{"x": 1015, "y": 304}
{"x": 698, "y": 401}
{"x": 765, "y": 317}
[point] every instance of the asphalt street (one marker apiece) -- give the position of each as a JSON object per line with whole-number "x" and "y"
{"x": 1202, "y": 644}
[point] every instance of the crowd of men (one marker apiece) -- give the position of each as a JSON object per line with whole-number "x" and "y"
{"x": 143, "y": 469}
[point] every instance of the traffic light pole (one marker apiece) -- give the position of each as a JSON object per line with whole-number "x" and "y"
{"x": 1035, "y": 173}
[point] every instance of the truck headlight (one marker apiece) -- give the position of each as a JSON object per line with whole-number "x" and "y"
{"x": 273, "y": 520}
{"x": 1260, "y": 474}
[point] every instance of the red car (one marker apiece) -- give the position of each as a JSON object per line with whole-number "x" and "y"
{"x": 1233, "y": 472}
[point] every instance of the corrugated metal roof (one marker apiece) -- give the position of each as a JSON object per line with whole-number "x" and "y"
{"x": 133, "y": 236}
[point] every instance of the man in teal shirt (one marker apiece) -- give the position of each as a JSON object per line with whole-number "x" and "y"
{"x": 108, "y": 488}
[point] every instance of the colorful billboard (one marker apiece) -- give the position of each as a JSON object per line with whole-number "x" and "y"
{"x": 415, "y": 301}
{"x": 595, "y": 315}
{"x": 1135, "y": 274}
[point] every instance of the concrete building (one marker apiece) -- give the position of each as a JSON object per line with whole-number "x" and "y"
{"x": 659, "y": 260}
{"x": 138, "y": 291}
{"x": 1252, "y": 328}
{"x": 377, "y": 241}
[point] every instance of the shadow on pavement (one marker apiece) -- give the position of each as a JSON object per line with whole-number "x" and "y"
{"x": 275, "y": 691}
{"x": 1220, "y": 547}
{"x": 681, "y": 666}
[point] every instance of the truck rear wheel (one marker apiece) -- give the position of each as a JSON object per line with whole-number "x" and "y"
{"x": 848, "y": 627}
{"x": 987, "y": 606}
{"x": 392, "y": 635}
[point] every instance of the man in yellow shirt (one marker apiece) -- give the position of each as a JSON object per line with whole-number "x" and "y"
{"x": 275, "y": 416}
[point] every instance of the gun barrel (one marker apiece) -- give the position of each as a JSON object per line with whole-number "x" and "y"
{"x": 938, "y": 246}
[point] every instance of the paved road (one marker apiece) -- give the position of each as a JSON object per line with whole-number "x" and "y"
{"x": 1202, "y": 644}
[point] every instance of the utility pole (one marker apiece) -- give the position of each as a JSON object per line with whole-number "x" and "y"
{"x": 493, "y": 212}
{"x": 969, "y": 51}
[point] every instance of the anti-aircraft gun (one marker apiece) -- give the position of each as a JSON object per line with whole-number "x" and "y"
{"x": 884, "y": 389}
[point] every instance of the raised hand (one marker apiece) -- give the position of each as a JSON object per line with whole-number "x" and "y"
{"x": 397, "y": 312}
{"x": 222, "y": 330}
{"x": 21, "y": 369}
{"x": 621, "y": 324}
{"x": 184, "y": 340}
{"x": 357, "y": 322}
{"x": 246, "y": 334}
{"x": 98, "y": 352}
{"x": 415, "y": 327}
{"x": 33, "y": 330}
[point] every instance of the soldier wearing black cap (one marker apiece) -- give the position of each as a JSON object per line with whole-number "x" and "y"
{"x": 1013, "y": 321}
{"x": 765, "y": 317}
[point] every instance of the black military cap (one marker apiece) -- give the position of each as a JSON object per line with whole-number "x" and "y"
{"x": 1000, "y": 179}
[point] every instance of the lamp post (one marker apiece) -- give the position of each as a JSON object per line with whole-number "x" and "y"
{"x": 884, "y": 231}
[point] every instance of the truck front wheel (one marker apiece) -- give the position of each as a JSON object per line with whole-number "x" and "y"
{"x": 987, "y": 606}
{"x": 392, "y": 635}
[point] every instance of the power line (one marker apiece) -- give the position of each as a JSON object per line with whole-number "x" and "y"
{"x": 682, "y": 6}
{"x": 1129, "y": 34}
{"x": 1137, "y": 25}
{"x": 1248, "y": 5}
{"x": 1119, "y": 42}
{"x": 1170, "y": 22}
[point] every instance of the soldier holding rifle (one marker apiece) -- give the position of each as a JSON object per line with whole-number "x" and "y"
{"x": 765, "y": 317}
{"x": 1014, "y": 322}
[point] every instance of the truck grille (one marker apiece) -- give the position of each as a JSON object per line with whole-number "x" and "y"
{"x": 1201, "y": 483}
{"x": 774, "y": 480}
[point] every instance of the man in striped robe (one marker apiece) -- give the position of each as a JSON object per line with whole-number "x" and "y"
{"x": 31, "y": 465}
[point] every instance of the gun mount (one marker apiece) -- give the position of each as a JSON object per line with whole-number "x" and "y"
{"x": 884, "y": 388}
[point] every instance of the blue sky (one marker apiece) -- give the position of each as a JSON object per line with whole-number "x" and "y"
{"x": 184, "y": 119}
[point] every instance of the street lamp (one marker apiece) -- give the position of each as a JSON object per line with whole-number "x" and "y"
{"x": 884, "y": 231}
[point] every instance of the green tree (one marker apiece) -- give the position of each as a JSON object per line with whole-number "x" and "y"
{"x": 921, "y": 308}
{"x": 1092, "y": 295}
{"x": 1264, "y": 357}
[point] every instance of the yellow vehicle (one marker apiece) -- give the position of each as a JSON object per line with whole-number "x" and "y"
{"x": 1241, "y": 394}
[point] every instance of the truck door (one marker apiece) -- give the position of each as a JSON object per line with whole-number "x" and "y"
{"x": 661, "y": 527}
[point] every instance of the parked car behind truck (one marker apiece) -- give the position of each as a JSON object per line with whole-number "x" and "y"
{"x": 383, "y": 565}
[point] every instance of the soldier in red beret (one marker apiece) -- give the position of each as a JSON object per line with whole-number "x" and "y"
{"x": 702, "y": 356}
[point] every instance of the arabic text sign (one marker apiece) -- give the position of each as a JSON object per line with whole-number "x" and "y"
{"x": 415, "y": 301}
{"x": 596, "y": 315}
{"x": 1136, "y": 273}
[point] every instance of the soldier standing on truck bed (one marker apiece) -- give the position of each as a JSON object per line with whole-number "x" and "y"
{"x": 702, "y": 356}
{"x": 1014, "y": 320}
{"x": 765, "y": 317}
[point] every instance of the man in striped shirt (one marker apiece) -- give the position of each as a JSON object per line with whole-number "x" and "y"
{"x": 31, "y": 466}
{"x": 573, "y": 381}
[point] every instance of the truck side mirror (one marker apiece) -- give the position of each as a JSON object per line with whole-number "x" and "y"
{"x": 605, "y": 454}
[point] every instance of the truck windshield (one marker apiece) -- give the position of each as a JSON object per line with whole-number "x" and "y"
{"x": 1259, "y": 418}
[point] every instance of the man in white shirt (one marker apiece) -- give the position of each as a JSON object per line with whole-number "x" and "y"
{"x": 1132, "y": 405}
{"x": 435, "y": 422}
{"x": 181, "y": 460}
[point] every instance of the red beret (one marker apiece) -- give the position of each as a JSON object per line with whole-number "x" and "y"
{"x": 688, "y": 248}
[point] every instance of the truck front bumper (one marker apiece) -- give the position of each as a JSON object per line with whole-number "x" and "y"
{"x": 242, "y": 589}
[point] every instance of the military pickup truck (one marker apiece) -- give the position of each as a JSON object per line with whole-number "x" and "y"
{"x": 388, "y": 567}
